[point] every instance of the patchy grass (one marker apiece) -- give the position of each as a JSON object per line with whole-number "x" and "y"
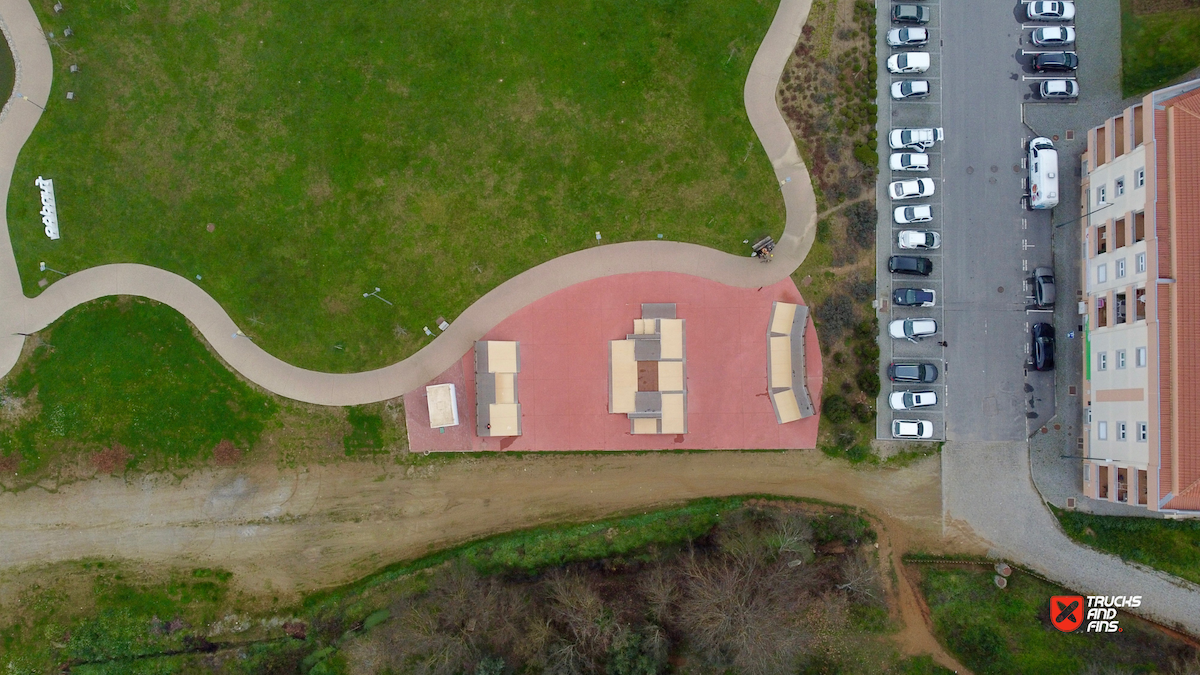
{"x": 432, "y": 149}
{"x": 128, "y": 380}
{"x": 1159, "y": 43}
{"x": 999, "y": 631}
{"x": 105, "y": 611}
{"x": 1172, "y": 546}
{"x": 127, "y": 383}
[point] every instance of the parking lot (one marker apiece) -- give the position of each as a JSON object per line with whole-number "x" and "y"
{"x": 981, "y": 81}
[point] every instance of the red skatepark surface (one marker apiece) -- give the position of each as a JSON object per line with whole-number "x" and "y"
{"x": 563, "y": 383}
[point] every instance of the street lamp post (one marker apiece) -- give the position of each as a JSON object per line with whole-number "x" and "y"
{"x": 43, "y": 267}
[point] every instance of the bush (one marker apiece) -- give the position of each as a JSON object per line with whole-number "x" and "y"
{"x": 835, "y": 408}
{"x": 867, "y": 155}
{"x": 862, "y": 219}
{"x": 867, "y": 353}
{"x": 863, "y": 413}
{"x": 868, "y": 382}
{"x": 862, "y": 289}
{"x": 867, "y": 329}
{"x": 835, "y": 314}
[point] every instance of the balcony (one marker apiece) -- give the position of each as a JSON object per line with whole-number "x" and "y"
{"x": 1119, "y": 311}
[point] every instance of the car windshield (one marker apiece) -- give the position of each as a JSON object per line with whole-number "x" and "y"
{"x": 910, "y": 295}
{"x": 929, "y": 239}
{"x": 905, "y": 36}
{"x": 902, "y": 61}
{"x": 908, "y": 399}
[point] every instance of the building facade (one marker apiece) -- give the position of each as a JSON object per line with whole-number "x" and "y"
{"x": 1140, "y": 208}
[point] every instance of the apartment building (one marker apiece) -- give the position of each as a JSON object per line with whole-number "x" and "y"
{"x": 1141, "y": 236}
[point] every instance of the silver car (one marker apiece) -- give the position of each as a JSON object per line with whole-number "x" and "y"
{"x": 1060, "y": 89}
{"x": 917, "y": 213}
{"x": 907, "y": 400}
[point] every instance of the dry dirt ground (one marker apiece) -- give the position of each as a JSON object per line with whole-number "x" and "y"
{"x": 284, "y": 532}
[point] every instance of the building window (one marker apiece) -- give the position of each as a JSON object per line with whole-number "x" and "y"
{"x": 1119, "y": 186}
{"x": 1120, "y": 268}
{"x": 1121, "y": 431}
{"x": 1101, "y": 273}
{"x": 1139, "y": 178}
{"x": 1102, "y": 431}
{"x": 1143, "y": 432}
{"x": 1102, "y": 361}
{"x": 1100, "y": 195}
{"x": 1120, "y": 359}
{"x": 1141, "y": 262}
{"x": 1141, "y": 357}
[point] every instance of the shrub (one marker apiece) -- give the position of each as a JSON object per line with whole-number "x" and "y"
{"x": 867, "y": 353}
{"x": 835, "y": 408}
{"x": 868, "y": 382}
{"x": 839, "y": 358}
{"x": 863, "y": 413}
{"x": 867, "y": 155}
{"x": 836, "y": 314}
{"x": 862, "y": 289}
{"x": 862, "y": 219}
{"x": 867, "y": 329}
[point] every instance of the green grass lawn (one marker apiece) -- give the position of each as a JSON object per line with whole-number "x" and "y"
{"x": 1157, "y": 48}
{"x": 1172, "y": 546}
{"x": 1001, "y": 631}
{"x": 432, "y": 149}
{"x": 129, "y": 372}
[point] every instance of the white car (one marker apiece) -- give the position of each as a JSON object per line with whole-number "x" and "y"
{"x": 917, "y": 213}
{"x": 908, "y": 62}
{"x": 911, "y": 239}
{"x": 1050, "y": 11}
{"x": 912, "y": 329}
{"x": 907, "y": 400}
{"x": 910, "y": 89}
{"x": 911, "y": 189}
{"x": 907, "y": 37}
{"x": 918, "y": 140}
{"x": 1054, "y": 36}
{"x": 1060, "y": 89}
{"x": 919, "y": 429}
{"x": 909, "y": 161}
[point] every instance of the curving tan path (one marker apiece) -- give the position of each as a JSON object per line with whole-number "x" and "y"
{"x": 19, "y": 314}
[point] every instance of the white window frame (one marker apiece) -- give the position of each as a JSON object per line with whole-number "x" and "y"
{"x": 1101, "y": 360}
{"x": 1139, "y": 177}
{"x": 1140, "y": 357}
{"x": 1102, "y": 431}
{"x": 1140, "y": 262}
{"x": 1101, "y": 194}
{"x": 1120, "y": 359}
{"x": 1143, "y": 432}
{"x": 1101, "y": 273}
{"x": 1119, "y": 187}
{"x": 1121, "y": 431}
{"x": 1120, "y": 268}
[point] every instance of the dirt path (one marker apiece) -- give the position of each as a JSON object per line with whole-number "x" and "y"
{"x": 286, "y": 532}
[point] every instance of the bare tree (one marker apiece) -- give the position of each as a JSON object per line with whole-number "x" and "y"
{"x": 660, "y": 587}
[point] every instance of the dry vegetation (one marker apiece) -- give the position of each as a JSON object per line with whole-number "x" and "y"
{"x": 770, "y": 590}
{"x": 827, "y": 94}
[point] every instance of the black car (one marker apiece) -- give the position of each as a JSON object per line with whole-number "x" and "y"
{"x": 910, "y": 264}
{"x": 922, "y": 373}
{"x": 910, "y": 14}
{"x": 913, "y": 297}
{"x": 1043, "y": 287}
{"x": 1043, "y": 346}
{"x": 1065, "y": 61}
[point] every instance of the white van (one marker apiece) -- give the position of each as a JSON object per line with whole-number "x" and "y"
{"x": 1043, "y": 174}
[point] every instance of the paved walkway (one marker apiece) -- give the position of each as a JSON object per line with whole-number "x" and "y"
{"x": 19, "y": 314}
{"x": 988, "y": 486}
